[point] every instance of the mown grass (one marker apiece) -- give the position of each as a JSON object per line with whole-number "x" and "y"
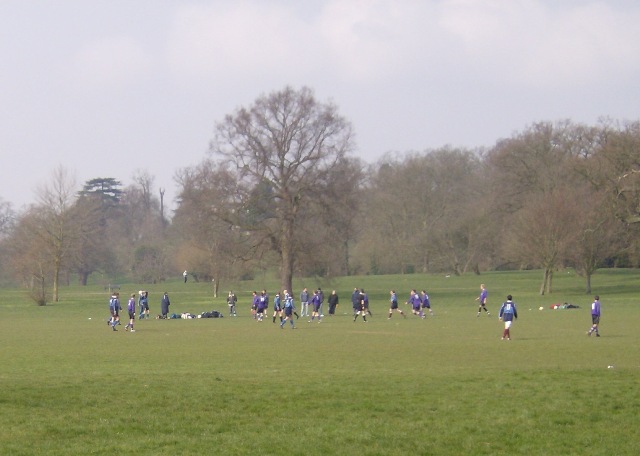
{"x": 445, "y": 385}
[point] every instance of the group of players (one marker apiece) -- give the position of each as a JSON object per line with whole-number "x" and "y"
{"x": 284, "y": 307}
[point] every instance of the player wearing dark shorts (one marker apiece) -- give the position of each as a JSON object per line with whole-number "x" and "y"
{"x": 316, "y": 302}
{"x": 289, "y": 310}
{"x": 131, "y": 308}
{"x": 277, "y": 307}
{"x": 394, "y": 304}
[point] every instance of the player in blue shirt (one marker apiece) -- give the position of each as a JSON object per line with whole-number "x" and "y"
{"x": 426, "y": 304}
{"x": 114, "y": 309}
{"x": 131, "y": 308}
{"x": 482, "y": 300}
{"x": 394, "y": 305}
{"x": 289, "y": 310}
{"x": 316, "y": 303}
{"x": 416, "y": 303}
{"x": 595, "y": 316}
{"x": 507, "y": 313}
{"x": 277, "y": 308}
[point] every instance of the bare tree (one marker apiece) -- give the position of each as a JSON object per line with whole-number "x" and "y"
{"x": 53, "y": 224}
{"x": 282, "y": 148}
{"x": 542, "y": 234}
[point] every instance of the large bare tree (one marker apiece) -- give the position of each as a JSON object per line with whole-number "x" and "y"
{"x": 282, "y": 149}
{"x": 54, "y": 225}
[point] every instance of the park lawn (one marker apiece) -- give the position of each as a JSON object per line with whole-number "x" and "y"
{"x": 443, "y": 385}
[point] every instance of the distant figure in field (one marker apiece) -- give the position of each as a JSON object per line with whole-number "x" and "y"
{"x": 231, "y": 302}
{"x": 482, "y": 300}
{"x": 277, "y": 308}
{"x": 507, "y": 313}
{"x": 416, "y": 303}
{"x": 143, "y": 302}
{"x": 394, "y": 304}
{"x": 426, "y": 303}
{"x": 131, "y": 308}
{"x": 164, "y": 305}
{"x": 315, "y": 303}
{"x": 333, "y": 302}
{"x": 114, "y": 309}
{"x": 185, "y": 275}
{"x": 360, "y": 309}
{"x": 304, "y": 302}
{"x": 595, "y": 316}
{"x": 355, "y": 300}
{"x": 289, "y": 310}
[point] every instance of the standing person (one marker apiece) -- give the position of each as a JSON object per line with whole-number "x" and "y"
{"x": 595, "y": 316}
{"x": 185, "y": 275}
{"x": 416, "y": 303}
{"x": 365, "y": 301}
{"x": 231, "y": 302}
{"x": 507, "y": 313}
{"x": 482, "y": 300}
{"x": 114, "y": 309}
{"x": 304, "y": 302}
{"x": 360, "y": 310}
{"x": 164, "y": 305}
{"x": 277, "y": 307}
{"x": 289, "y": 310}
{"x": 426, "y": 303}
{"x": 131, "y": 308}
{"x": 144, "y": 304}
{"x": 263, "y": 304}
{"x": 394, "y": 304}
{"x": 140, "y": 293}
{"x": 316, "y": 303}
{"x": 333, "y": 302}
{"x": 355, "y": 301}
{"x": 254, "y": 304}
{"x": 321, "y": 297}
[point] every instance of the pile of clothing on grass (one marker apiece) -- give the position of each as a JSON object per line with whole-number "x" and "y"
{"x": 190, "y": 316}
{"x": 566, "y": 305}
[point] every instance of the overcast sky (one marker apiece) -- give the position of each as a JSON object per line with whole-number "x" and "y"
{"x": 111, "y": 87}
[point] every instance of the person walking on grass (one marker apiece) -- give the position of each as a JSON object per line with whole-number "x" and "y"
{"x": 304, "y": 302}
{"x": 131, "y": 308}
{"x": 394, "y": 305}
{"x": 114, "y": 309}
{"x": 425, "y": 303}
{"x": 254, "y": 304}
{"x": 316, "y": 303}
{"x": 365, "y": 301}
{"x": 164, "y": 305}
{"x": 263, "y": 305}
{"x": 277, "y": 307}
{"x": 231, "y": 302}
{"x": 482, "y": 300}
{"x": 333, "y": 302}
{"x": 416, "y": 303}
{"x": 143, "y": 300}
{"x": 507, "y": 313}
{"x": 595, "y": 316}
{"x": 141, "y": 316}
{"x": 321, "y": 297}
{"x": 289, "y": 310}
{"x": 361, "y": 310}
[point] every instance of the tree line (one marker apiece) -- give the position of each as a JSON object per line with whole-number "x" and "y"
{"x": 281, "y": 191}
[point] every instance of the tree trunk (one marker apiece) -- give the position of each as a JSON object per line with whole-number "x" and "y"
{"x": 545, "y": 278}
{"x": 56, "y": 279}
{"x": 588, "y": 277}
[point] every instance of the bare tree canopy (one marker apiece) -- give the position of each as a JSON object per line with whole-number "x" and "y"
{"x": 282, "y": 147}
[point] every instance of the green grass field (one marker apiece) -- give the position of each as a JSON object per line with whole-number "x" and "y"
{"x": 444, "y": 385}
